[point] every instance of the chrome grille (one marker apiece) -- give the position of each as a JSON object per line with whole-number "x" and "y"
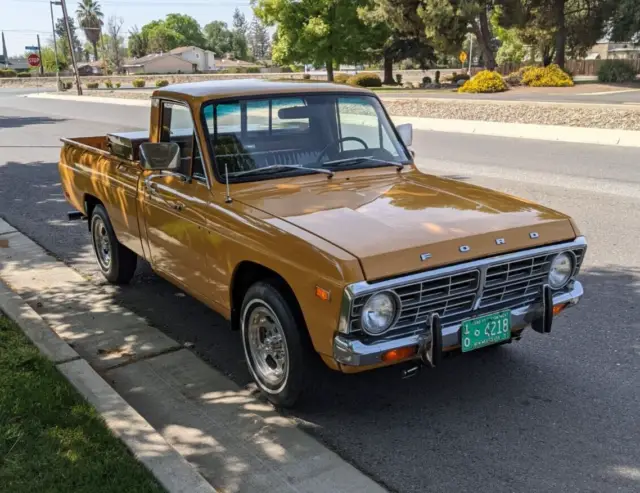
{"x": 486, "y": 288}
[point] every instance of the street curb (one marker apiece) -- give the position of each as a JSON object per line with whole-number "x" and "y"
{"x": 171, "y": 470}
{"x": 554, "y": 133}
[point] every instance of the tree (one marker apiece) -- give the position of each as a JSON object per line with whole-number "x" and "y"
{"x": 187, "y": 27}
{"x": 217, "y": 37}
{"x": 321, "y": 32}
{"x": 259, "y": 39}
{"x": 512, "y": 49}
{"x": 393, "y": 39}
{"x": 113, "y": 44}
{"x": 90, "y": 20}
{"x": 559, "y": 26}
{"x": 162, "y": 39}
{"x": 49, "y": 60}
{"x": 625, "y": 21}
{"x": 61, "y": 33}
{"x": 138, "y": 45}
{"x": 240, "y": 22}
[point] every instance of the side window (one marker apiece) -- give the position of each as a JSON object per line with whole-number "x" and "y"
{"x": 358, "y": 119}
{"x": 177, "y": 126}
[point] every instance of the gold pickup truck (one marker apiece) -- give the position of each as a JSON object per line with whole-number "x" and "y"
{"x": 296, "y": 211}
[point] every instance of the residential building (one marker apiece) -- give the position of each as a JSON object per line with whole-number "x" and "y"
{"x": 606, "y": 50}
{"x": 159, "y": 63}
{"x": 227, "y": 62}
{"x": 91, "y": 68}
{"x": 204, "y": 60}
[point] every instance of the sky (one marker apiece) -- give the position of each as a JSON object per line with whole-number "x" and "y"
{"x": 22, "y": 20}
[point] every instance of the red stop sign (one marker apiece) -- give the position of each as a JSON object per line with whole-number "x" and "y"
{"x": 34, "y": 60}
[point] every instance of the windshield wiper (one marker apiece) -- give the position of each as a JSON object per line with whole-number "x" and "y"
{"x": 274, "y": 168}
{"x": 338, "y": 163}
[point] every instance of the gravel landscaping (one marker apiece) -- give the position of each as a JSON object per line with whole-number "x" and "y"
{"x": 574, "y": 115}
{"x": 567, "y": 114}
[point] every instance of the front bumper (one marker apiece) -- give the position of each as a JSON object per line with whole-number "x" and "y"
{"x": 355, "y": 352}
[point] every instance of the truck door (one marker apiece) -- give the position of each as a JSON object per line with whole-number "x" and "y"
{"x": 175, "y": 204}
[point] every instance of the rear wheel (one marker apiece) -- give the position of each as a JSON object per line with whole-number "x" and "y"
{"x": 116, "y": 262}
{"x": 273, "y": 344}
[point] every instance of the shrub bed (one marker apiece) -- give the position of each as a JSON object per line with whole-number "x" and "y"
{"x": 365, "y": 79}
{"x": 7, "y": 72}
{"x": 616, "y": 71}
{"x": 92, "y": 85}
{"x": 138, "y": 82}
{"x": 485, "y": 81}
{"x": 162, "y": 83}
{"x": 24, "y": 74}
{"x": 341, "y": 78}
{"x": 551, "y": 76}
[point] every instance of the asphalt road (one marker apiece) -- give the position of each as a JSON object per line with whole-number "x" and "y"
{"x": 556, "y": 413}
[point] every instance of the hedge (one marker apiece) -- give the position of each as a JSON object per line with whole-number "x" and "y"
{"x": 365, "y": 79}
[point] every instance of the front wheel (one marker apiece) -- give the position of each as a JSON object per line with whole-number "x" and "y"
{"x": 273, "y": 345}
{"x": 117, "y": 263}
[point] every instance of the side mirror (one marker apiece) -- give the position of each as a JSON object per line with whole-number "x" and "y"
{"x": 406, "y": 133}
{"x": 160, "y": 155}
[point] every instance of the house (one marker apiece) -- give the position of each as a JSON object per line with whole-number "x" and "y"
{"x": 204, "y": 60}
{"x": 606, "y": 50}
{"x": 159, "y": 63}
{"x": 17, "y": 64}
{"x": 92, "y": 68}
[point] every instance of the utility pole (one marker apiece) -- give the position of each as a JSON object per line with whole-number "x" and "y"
{"x": 55, "y": 45}
{"x": 40, "y": 55}
{"x": 73, "y": 55}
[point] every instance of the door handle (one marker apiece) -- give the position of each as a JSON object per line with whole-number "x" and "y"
{"x": 178, "y": 206}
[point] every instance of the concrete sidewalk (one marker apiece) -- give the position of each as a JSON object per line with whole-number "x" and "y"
{"x": 169, "y": 407}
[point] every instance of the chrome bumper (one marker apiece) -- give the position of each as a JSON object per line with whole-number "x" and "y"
{"x": 354, "y": 352}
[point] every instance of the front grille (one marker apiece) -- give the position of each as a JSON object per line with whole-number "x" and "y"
{"x": 486, "y": 288}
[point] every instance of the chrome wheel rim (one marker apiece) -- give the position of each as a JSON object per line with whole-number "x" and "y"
{"x": 101, "y": 243}
{"x": 266, "y": 343}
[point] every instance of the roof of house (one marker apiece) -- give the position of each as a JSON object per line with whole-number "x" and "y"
{"x": 218, "y": 89}
{"x": 139, "y": 62}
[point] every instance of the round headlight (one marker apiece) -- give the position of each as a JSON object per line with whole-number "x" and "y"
{"x": 561, "y": 270}
{"x": 378, "y": 313}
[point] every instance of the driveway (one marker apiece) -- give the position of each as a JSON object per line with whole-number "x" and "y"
{"x": 548, "y": 414}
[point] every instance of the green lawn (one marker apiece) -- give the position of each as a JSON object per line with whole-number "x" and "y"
{"x": 51, "y": 440}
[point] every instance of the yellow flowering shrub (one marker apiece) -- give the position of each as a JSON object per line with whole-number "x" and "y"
{"x": 550, "y": 76}
{"x": 485, "y": 81}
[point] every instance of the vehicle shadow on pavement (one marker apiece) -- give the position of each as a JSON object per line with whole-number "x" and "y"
{"x": 23, "y": 121}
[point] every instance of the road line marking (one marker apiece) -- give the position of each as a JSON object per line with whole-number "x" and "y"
{"x": 604, "y": 93}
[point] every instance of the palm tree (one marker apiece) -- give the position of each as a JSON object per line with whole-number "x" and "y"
{"x": 90, "y": 20}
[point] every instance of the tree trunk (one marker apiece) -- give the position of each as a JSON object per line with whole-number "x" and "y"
{"x": 561, "y": 31}
{"x": 483, "y": 34}
{"x": 330, "y": 70}
{"x": 388, "y": 71}
{"x": 95, "y": 50}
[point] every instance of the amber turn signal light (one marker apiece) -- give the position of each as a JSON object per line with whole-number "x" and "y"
{"x": 399, "y": 354}
{"x": 323, "y": 294}
{"x": 558, "y": 308}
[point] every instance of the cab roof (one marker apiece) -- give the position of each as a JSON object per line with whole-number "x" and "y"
{"x": 219, "y": 89}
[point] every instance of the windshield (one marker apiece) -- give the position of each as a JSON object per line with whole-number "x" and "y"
{"x": 256, "y": 139}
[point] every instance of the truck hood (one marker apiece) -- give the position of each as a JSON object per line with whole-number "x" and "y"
{"x": 400, "y": 223}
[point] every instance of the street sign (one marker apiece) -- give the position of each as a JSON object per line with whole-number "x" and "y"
{"x": 463, "y": 56}
{"x": 31, "y": 48}
{"x": 34, "y": 60}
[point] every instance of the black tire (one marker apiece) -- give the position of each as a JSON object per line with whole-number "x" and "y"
{"x": 265, "y": 296}
{"x": 119, "y": 263}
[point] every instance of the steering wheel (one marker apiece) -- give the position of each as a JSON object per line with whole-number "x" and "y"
{"x": 337, "y": 142}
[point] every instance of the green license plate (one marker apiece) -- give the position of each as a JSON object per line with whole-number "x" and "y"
{"x": 485, "y": 331}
